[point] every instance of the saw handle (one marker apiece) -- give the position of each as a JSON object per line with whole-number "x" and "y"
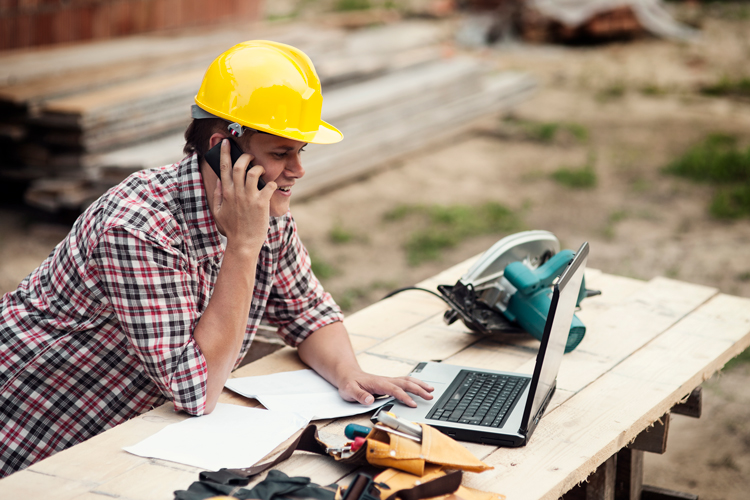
{"x": 528, "y": 282}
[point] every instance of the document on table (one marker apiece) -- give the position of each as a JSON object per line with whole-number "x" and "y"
{"x": 299, "y": 391}
{"x": 231, "y": 436}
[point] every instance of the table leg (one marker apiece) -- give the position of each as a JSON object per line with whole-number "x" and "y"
{"x": 600, "y": 485}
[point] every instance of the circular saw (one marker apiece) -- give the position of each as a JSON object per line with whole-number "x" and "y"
{"x": 508, "y": 289}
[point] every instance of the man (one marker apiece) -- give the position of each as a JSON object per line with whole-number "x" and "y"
{"x": 159, "y": 288}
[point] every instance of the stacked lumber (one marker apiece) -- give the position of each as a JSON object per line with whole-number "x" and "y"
{"x": 87, "y": 120}
{"x": 578, "y": 21}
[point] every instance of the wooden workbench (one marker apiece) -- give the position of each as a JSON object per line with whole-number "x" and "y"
{"x": 648, "y": 345}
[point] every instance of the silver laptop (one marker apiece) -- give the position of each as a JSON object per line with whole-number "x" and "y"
{"x": 495, "y": 407}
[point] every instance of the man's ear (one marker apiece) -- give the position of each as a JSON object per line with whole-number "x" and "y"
{"x": 215, "y": 139}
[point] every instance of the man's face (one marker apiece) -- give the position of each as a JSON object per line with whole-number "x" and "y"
{"x": 281, "y": 159}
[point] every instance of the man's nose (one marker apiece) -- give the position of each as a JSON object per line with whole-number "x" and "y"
{"x": 294, "y": 166}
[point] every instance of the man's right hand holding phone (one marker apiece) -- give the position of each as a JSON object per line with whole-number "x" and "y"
{"x": 240, "y": 209}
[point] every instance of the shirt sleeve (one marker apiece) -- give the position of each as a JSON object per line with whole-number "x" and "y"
{"x": 150, "y": 287}
{"x": 297, "y": 304}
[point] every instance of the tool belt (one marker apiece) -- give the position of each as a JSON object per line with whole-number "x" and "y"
{"x": 381, "y": 449}
{"x": 416, "y": 470}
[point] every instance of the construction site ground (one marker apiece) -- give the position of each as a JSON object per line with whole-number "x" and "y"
{"x": 619, "y": 111}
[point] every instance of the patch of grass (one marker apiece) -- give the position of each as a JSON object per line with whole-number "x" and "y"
{"x": 744, "y": 276}
{"x": 728, "y": 87}
{"x": 653, "y": 90}
{"x": 576, "y": 178}
{"x": 731, "y": 203}
{"x": 718, "y": 160}
{"x": 446, "y": 226}
{"x": 547, "y": 132}
{"x": 349, "y": 5}
{"x": 338, "y": 235}
{"x": 613, "y": 91}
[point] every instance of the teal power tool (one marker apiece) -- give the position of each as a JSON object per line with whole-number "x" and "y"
{"x": 508, "y": 289}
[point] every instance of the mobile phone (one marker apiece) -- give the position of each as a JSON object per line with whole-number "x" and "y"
{"x": 213, "y": 158}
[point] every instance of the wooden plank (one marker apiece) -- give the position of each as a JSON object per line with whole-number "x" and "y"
{"x": 382, "y": 320}
{"x": 29, "y": 484}
{"x": 619, "y": 405}
{"x": 429, "y": 341}
{"x": 629, "y": 474}
{"x": 653, "y": 439}
{"x": 600, "y": 485}
{"x": 655, "y": 493}
{"x": 692, "y": 405}
{"x": 154, "y": 480}
{"x": 102, "y": 458}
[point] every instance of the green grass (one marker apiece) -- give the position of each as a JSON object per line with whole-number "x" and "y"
{"x": 583, "y": 177}
{"x": 338, "y": 235}
{"x": 349, "y": 5}
{"x": 731, "y": 202}
{"x": 613, "y": 91}
{"x": 718, "y": 160}
{"x": 728, "y": 87}
{"x": 547, "y": 132}
{"x": 653, "y": 90}
{"x": 446, "y": 226}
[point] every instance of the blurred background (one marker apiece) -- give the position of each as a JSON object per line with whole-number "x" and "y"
{"x": 624, "y": 123}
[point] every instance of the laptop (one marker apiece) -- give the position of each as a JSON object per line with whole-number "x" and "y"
{"x": 495, "y": 407}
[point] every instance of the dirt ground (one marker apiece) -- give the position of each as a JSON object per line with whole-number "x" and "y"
{"x": 625, "y": 109}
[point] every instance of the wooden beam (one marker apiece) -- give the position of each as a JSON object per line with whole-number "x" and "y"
{"x": 654, "y": 438}
{"x": 654, "y": 493}
{"x": 692, "y": 406}
{"x": 629, "y": 478}
{"x": 600, "y": 485}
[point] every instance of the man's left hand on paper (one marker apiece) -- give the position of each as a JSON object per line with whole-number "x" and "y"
{"x": 329, "y": 352}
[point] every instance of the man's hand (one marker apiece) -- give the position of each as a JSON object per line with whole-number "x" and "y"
{"x": 362, "y": 387}
{"x": 240, "y": 210}
{"x": 329, "y": 352}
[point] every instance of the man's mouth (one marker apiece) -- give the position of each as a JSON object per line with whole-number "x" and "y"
{"x": 285, "y": 188}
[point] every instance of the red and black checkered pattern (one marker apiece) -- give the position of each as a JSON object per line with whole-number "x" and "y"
{"x": 102, "y": 330}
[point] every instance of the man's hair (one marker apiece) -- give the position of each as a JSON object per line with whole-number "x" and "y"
{"x": 199, "y": 133}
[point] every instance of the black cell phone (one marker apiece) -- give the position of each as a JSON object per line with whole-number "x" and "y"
{"x": 213, "y": 158}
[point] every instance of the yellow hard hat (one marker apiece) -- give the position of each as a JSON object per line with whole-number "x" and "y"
{"x": 267, "y": 86}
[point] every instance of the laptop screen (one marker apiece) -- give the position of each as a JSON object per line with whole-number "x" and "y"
{"x": 562, "y": 308}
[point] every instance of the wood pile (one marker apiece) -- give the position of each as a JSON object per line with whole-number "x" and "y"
{"x": 75, "y": 121}
{"x": 536, "y": 22}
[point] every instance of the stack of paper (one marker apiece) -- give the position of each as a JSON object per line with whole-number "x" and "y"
{"x": 301, "y": 391}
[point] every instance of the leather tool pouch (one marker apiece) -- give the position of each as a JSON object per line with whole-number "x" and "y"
{"x": 389, "y": 450}
{"x": 381, "y": 449}
{"x": 398, "y": 484}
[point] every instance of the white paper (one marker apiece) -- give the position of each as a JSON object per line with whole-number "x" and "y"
{"x": 294, "y": 382}
{"x": 302, "y": 391}
{"x": 231, "y": 436}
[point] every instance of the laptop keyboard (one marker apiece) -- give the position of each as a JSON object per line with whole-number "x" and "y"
{"x": 480, "y": 398}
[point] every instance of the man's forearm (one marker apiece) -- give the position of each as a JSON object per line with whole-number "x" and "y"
{"x": 221, "y": 329}
{"x": 329, "y": 352}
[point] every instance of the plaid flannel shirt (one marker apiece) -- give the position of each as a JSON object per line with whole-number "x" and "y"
{"x": 102, "y": 330}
